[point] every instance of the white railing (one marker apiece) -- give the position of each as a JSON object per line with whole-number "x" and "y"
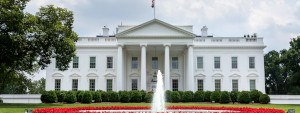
{"x": 228, "y": 40}
{"x": 97, "y": 40}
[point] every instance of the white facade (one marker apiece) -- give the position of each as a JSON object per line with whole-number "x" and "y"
{"x": 188, "y": 61}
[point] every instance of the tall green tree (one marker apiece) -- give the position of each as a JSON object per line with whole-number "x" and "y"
{"x": 29, "y": 42}
{"x": 37, "y": 87}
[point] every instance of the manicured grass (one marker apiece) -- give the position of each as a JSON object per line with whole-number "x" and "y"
{"x": 19, "y": 108}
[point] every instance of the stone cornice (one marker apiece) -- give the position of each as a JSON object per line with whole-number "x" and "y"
{"x": 231, "y": 46}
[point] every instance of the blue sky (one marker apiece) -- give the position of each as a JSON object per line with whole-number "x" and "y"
{"x": 277, "y": 21}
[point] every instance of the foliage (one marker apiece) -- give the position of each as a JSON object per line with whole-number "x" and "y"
{"x": 97, "y": 96}
{"x": 168, "y": 96}
{"x": 181, "y": 94}
{"x": 244, "y": 97}
{"x": 60, "y": 96}
{"x": 104, "y": 96}
{"x": 124, "y": 96}
{"x": 49, "y": 97}
{"x": 86, "y": 97}
{"x": 148, "y": 97}
{"x": 215, "y": 96}
{"x": 254, "y": 95}
{"x": 187, "y": 96}
{"x": 113, "y": 96}
{"x": 13, "y": 83}
{"x": 207, "y": 96}
{"x": 264, "y": 99}
{"x": 143, "y": 93}
{"x": 79, "y": 95}
{"x": 199, "y": 96}
{"x": 225, "y": 97}
{"x": 37, "y": 87}
{"x": 234, "y": 96}
{"x": 70, "y": 97}
{"x": 175, "y": 96}
{"x": 1, "y": 101}
{"x": 136, "y": 96}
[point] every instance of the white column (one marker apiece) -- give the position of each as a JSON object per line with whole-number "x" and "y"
{"x": 120, "y": 76}
{"x": 190, "y": 68}
{"x": 143, "y": 66}
{"x": 167, "y": 66}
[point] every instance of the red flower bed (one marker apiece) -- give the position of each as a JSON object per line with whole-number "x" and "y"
{"x": 77, "y": 109}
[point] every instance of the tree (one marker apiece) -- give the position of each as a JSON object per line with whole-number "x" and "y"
{"x": 37, "y": 87}
{"x": 29, "y": 42}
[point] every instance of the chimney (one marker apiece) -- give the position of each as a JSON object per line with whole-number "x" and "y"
{"x": 204, "y": 31}
{"x": 105, "y": 31}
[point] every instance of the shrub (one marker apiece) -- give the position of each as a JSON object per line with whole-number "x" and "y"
{"x": 207, "y": 96}
{"x": 254, "y": 95}
{"x": 136, "y": 96}
{"x": 49, "y": 97}
{"x": 1, "y": 101}
{"x": 70, "y": 97}
{"x": 124, "y": 96}
{"x": 199, "y": 96}
{"x": 113, "y": 96}
{"x": 175, "y": 96}
{"x": 215, "y": 96}
{"x": 187, "y": 96}
{"x": 143, "y": 93}
{"x": 60, "y": 96}
{"x": 148, "y": 97}
{"x": 104, "y": 96}
{"x": 86, "y": 97}
{"x": 234, "y": 96}
{"x": 168, "y": 96}
{"x": 181, "y": 94}
{"x": 97, "y": 96}
{"x": 79, "y": 95}
{"x": 225, "y": 97}
{"x": 244, "y": 97}
{"x": 264, "y": 99}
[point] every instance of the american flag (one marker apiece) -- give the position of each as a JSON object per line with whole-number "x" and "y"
{"x": 153, "y": 2}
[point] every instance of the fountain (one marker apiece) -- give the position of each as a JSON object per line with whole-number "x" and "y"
{"x": 158, "y": 102}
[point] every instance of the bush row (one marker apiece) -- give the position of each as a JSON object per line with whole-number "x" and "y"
{"x": 95, "y": 96}
{"x": 142, "y": 96}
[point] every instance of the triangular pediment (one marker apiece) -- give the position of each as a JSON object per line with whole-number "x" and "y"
{"x": 155, "y": 28}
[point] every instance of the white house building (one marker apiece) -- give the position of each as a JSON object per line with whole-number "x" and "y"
{"x": 130, "y": 59}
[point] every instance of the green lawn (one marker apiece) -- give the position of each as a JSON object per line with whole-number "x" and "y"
{"x": 19, "y": 108}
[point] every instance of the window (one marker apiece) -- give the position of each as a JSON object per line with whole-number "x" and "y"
{"x": 200, "y": 84}
{"x": 217, "y": 84}
{"x": 235, "y": 85}
{"x": 109, "y": 62}
{"x": 109, "y": 84}
{"x": 217, "y": 62}
{"x": 92, "y": 62}
{"x": 174, "y": 62}
{"x": 234, "y": 63}
{"x": 200, "y": 62}
{"x": 92, "y": 84}
{"x": 251, "y": 62}
{"x": 74, "y": 84}
{"x": 175, "y": 84}
{"x": 252, "y": 85}
{"x": 75, "y": 62}
{"x": 134, "y": 62}
{"x": 134, "y": 84}
{"x": 154, "y": 63}
{"x": 57, "y": 84}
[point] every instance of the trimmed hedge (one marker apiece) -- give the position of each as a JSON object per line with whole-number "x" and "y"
{"x": 143, "y": 93}
{"x": 225, "y": 97}
{"x": 60, "y": 95}
{"x": 97, "y": 96}
{"x": 254, "y": 95}
{"x": 207, "y": 96}
{"x": 49, "y": 97}
{"x": 199, "y": 96}
{"x": 148, "y": 97}
{"x": 113, "y": 96}
{"x": 79, "y": 95}
{"x": 215, "y": 96}
{"x": 244, "y": 97}
{"x": 124, "y": 96}
{"x": 234, "y": 96}
{"x": 104, "y": 96}
{"x": 86, "y": 97}
{"x": 175, "y": 96}
{"x": 264, "y": 99}
{"x": 188, "y": 96}
{"x": 70, "y": 97}
{"x": 168, "y": 96}
{"x": 136, "y": 96}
